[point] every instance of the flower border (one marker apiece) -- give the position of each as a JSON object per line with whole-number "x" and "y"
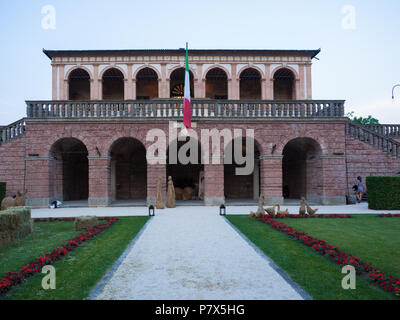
{"x": 12, "y": 279}
{"x": 297, "y": 216}
{"x": 384, "y": 281}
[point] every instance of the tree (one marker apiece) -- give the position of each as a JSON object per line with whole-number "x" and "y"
{"x": 361, "y": 120}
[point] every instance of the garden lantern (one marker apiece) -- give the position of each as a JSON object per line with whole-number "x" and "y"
{"x": 151, "y": 211}
{"x": 222, "y": 210}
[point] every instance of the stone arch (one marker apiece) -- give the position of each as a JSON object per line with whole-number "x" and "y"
{"x": 228, "y": 74}
{"x": 216, "y": 83}
{"x": 68, "y": 170}
{"x": 144, "y": 67}
{"x": 242, "y": 186}
{"x": 68, "y": 73}
{"x": 176, "y": 80}
{"x": 295, "y": 73}
{"x": 79, "y": 84}
{"x": 302, "y": 169}
{"x": 128, "y": 169}
{"x": 113, "y": 83}
{"x": 284, "y": 79}
{"x": 147, "y": 79}
{"x": 250, "y": 83}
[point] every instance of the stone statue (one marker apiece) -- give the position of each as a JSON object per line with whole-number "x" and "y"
{"x": 170, "y": 193}
{"x": 302, "y": 209}
{"x": 18, "y": 201}
{"x": 160, "y": 200}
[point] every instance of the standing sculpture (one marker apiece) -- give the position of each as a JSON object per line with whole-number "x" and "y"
{"x": 170, "y": 193}
{"x": 160, "y": 200}
{"x": 311, "y": 211}
{"x": 302, "y": 209}
{"x": 260, "y": 210}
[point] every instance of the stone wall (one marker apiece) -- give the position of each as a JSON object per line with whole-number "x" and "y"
{"x": 12, "y": 165}
{"x": 365, "y": 160}
{"x": 326, "y": 177}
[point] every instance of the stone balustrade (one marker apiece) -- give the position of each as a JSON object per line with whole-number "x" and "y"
{"x": 172, "y": 109}
{"x": 374, "y": 138}
{"x": 389, "y": 130}
{"x": 12, "y": 131}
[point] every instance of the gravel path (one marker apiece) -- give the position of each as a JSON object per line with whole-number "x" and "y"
{"x": 187, "y": 254}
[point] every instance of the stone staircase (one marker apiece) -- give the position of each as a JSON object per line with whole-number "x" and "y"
{"x": 12, "y": 131}
{"x": 374, "y": 136}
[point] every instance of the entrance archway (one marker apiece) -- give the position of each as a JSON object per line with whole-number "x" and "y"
{"x": 69, "y": 172}
{"x": 128, "y": 170}
{"x": 302, "y": 169}
{"x": 190, "y": 172}
{"x": 241, "y": 186}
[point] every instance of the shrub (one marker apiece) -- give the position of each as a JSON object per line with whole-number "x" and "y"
{"x": 2, "y": 191}
{"x": 383, "y": 193}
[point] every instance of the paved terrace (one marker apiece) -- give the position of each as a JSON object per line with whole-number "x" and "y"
{"x": 361, "y": 208}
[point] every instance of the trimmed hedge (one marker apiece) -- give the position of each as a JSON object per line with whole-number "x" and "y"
{"x": 383, "y": 193}
{"x": 2, "y": 191}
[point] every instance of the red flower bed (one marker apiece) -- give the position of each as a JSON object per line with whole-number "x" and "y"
{"x": 297, "y": 216}
{"x": 337, "y": 255}
{"x": 64, "y": 219}
{"x": 389, "y": 215}
{"x": 12, "y": 279}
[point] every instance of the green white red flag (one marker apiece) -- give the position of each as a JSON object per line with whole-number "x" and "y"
{"x": 187, "y": 112}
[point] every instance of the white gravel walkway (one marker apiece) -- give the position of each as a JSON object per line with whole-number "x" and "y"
{"x": 194, "y": 254}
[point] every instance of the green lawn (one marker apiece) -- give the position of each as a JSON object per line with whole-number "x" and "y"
{"x": 373, "y": 239}
{"x": 79, "y": 271}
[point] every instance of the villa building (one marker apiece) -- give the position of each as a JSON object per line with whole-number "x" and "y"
{"x": 89, "y": 143}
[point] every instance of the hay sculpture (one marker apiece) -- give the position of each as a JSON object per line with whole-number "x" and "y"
{"x": 302, "y": 209}
{"x": 159, "y": 200}
{"x": 260, "y": 210}
{"x": 170, "y": 193}
{"x": 84, "y": 223}
{"x": 18, "y": 201}
{"x": 15, "y": 224}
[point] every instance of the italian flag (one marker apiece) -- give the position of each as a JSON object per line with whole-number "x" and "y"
{"x": 187, "y": 112}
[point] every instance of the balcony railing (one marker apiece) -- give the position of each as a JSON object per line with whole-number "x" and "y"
{"x": 172, "y": 109}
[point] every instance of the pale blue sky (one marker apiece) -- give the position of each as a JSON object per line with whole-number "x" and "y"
{"x": 360, "y": 65}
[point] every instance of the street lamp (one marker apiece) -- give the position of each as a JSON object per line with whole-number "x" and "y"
{"x": 394, "y": 87}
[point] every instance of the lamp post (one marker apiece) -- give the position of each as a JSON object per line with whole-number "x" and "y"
{"x": 394, "y": 87}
